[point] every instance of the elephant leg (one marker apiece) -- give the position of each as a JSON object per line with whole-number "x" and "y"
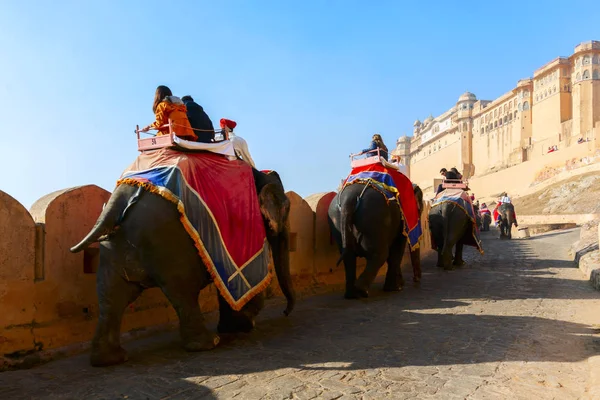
{"x": 231, "y": 321}
{"x": 364, "y": 281}
{"x": 415, "y": 260}
{"x": 394, "y": 281}
{"x": 440, "y": 259}
{"x": 350, "y": 270}
{"x": 458, "y": 260}
{"x": 114, "y": 295}
{"x": 183, "y": 294}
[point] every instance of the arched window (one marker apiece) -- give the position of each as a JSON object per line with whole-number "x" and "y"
{"x": 505, "y": 119}
{"x": 526, "y": 106}
{"x": 554, "y": 89}
{"x": 515, "y": 115}
{"x": 586, "y": 74}
{"x": 481, "y": 131}
{"x": 510, "y": 117}
{"x": 586, "y": 59}
{"x": 465, "y": 127}
{"x": 495, "y": 124}
{"x": 595, "y": 59}
{"x": 596, "y": 74}
{"x": 500, "y": 122}
{"x": 578, "y": 77}
{"x": 520, "y": 107}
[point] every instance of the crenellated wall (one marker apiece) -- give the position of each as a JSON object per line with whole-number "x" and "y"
{"x": 48, "y": 295}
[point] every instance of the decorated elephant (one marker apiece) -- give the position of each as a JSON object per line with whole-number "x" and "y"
{"x": 508, "y": 218}
{"x": 486, "y": 221}
{"x": 143, "y": 244}
{"x": 365, "y": 223}
{"x": 452, "y": 223}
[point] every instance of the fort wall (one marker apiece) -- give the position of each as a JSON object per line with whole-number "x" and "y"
{"x": 48, "y": 300}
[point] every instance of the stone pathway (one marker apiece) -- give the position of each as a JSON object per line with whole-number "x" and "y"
{"x": 517, "y": 323}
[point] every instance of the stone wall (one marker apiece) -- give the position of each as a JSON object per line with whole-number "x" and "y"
{"x": 48, "y": 295}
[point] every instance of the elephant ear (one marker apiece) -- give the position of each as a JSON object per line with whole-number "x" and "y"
{"x": 274, "y": 206}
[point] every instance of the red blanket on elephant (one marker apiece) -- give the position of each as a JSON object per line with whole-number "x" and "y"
{"x": 396, "y": 186}
{"x": 497, "y": 212}
{"x": 219, "y": 209}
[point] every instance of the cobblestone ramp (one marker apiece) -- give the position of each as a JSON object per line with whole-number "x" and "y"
{"x": 520, "y": 323}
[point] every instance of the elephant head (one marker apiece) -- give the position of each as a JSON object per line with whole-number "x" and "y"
{"x": 275, "y": 209}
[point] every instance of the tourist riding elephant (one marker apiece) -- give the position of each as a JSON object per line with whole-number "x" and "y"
{"x": 507, "y": 219}
{"x": 364, "y": 224}
{"x": 143, "y": 244}
{"x": 450, "y": 226}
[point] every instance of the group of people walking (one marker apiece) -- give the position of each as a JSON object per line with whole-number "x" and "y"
{"x": 190, "y": 122}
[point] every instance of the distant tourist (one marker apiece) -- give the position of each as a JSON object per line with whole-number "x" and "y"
{"x": 239, "y": 144}
{"x": 580, "y": 140}
{"x": 201, "y": 124}
{"x": 458, "y": 174}
{"x": 165, "y": 107}
{"x": 377, "y": 143}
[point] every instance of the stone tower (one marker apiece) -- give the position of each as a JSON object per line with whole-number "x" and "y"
{"x": 464, "y": 121}
{"x": 585, "y": 79}
{"x": 403, "y": 150}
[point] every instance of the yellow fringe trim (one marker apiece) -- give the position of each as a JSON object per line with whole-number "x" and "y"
{"x": 202, "y": 252}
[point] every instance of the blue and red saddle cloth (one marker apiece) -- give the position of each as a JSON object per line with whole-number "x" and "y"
{"x": 463, "y": 201}
{"x": 218, "y": 207}
{"x": 396, "y": 187}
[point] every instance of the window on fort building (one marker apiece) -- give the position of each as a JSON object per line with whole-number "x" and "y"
{"x": 554, "y": 89}
{"x": 515, "y": 102}
{"x": 510, "y": 117}
{"x": 586, "y": 74}
{"x": 515, "y": 114}
{"x": 495, "y": 124}
{"x": 500, "y": 122}
{"x": 595, "y": 59}
{"x": 586, "y": 60}
{"x": 520, "y": 107}
{"x": 596, "y": 74}
{"x": 505, "y": 119}
{"x": 481, "y": 131}
{"x": 578, "y": 77}
{"x": 526, "y": 106}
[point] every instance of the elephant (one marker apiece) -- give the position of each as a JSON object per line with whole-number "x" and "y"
{"x": 507, "y": 219}
{"x": 486, "y": 221}
{"x": 364, "y": 224}
{"x": 449, "y": 226}
{"x": 143, "y": 245}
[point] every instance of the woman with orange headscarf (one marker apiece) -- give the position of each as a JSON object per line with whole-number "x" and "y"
{"x": 168, "y": 107}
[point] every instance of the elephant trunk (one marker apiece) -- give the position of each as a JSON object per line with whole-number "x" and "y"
{"x": 280, "y": 248}
{"x": 108, "y": 219}
{"x": 346, "y": 222}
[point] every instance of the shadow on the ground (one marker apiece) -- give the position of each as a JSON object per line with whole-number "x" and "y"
{"x": 422, "y": 326}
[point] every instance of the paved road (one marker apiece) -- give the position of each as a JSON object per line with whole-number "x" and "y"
{"x": 517, "y": 323}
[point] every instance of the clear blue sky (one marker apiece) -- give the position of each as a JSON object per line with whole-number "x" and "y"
{"x": 308, "y": 82}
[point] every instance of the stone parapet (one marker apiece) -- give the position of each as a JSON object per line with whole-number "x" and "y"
{"x": 48, "y": 295}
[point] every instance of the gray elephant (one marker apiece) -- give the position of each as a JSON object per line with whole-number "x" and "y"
{"x": 451, "y": 226}
{"x": 143, "y": 244}
{"x": 507, "y": 218}
{"x": 364, "y": 224}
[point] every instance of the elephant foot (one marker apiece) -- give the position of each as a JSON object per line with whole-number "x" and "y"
{"x": 106, "y": 358}
{"x": 392, "y": 288}
{"x": 239, "y": 326}
{"x": 416, "y": 279}
{"x": 459, "y": 263}
{"x": 449, "y": 268}
{"x": 356, "y": 293}
{"x": 202, "y": 343}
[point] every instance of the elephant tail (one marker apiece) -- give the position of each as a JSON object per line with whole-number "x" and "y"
{"x": 108, "y": 219}
{"x": 346, "y": 222}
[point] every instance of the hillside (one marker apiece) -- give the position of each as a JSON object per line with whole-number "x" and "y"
{"x": 577, "y": 195}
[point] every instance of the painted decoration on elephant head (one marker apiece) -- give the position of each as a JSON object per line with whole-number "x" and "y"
{"x": 219, "y": 208}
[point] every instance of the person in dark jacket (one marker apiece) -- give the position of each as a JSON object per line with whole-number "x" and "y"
{"x": 200, "y": 122}
{"x": 377, "y": 142}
